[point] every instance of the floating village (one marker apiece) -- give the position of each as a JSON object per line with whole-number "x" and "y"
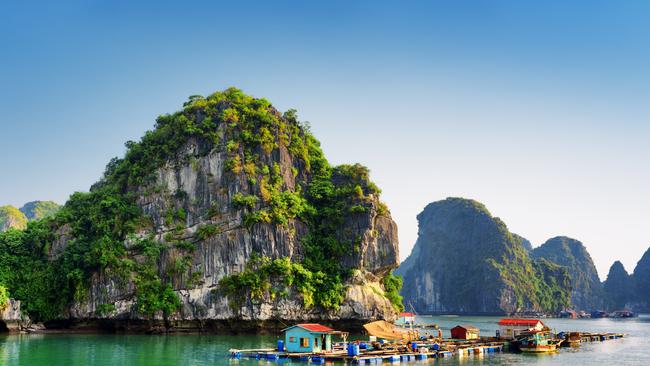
{"x": 405, "y": 341}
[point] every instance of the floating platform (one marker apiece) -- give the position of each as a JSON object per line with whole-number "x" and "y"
{"x": 400, "y": 353}
{"x": 394, "y": 354}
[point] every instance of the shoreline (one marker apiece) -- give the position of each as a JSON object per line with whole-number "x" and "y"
{"x": 217, "y": 327}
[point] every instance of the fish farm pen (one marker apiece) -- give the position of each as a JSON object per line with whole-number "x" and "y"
{"x": 377, "y": 352}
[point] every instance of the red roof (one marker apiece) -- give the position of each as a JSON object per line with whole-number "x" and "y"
{"x": 528, "y": 322}
{"x": 312, "y": 327}
{"x": 406, "y": 314}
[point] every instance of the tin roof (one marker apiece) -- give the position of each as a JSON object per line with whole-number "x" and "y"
{"x": 511, "y": 321}
{"x": 312, "y": 327}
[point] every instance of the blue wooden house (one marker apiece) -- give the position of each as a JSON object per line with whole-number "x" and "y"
{"x": 309, "y": 338}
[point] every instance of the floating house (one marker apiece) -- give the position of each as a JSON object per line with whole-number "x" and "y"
{"x": 465, "y": 332}
{"x": 310, "y": 338}
{"x": 509, "y": 328}
{"x": 406, "y": 318}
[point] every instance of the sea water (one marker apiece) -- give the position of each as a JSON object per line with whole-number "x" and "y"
{"x": 207, "y": 349}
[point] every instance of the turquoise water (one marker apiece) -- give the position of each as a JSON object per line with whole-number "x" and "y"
{"x": 125, "y": 350}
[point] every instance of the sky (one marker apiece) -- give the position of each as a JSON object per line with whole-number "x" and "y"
{"x": 538, "y": 109}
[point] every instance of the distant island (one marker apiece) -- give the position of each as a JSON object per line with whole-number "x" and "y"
{"x": 466, "y": 261}
{"x": 17, "y": 218}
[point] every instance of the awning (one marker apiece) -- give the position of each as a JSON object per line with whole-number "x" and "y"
{"x": 386, "y": 330}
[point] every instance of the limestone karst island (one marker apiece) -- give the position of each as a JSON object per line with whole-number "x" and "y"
{"x": 324, "y": 183}
{"x": 228, "y": 218}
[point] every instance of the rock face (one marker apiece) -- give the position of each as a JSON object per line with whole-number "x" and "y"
{"x": 617, "y": 288}
{"x": 207, "y": 201}
{"x": 37, "y": 210}
{"x": 10, "y": 317}
{"x": 641, "y": 279}
{"x": 572, "y": 254}
{"x": 466, "y": 261}
{"x": 525, "y": 242}
{"x": 227, "y": 182}
{"x": 11, "y": 217}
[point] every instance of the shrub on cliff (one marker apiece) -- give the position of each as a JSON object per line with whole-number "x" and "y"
{"x": 4, "y": 298}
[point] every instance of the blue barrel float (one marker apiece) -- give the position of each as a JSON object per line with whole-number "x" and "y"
{"x": 353, "y": 350}
{"x": 280, "y": 345}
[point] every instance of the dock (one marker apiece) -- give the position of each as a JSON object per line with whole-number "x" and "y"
{"x": 396, "y": 353}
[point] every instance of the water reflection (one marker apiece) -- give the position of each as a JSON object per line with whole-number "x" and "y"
{"x": 126, "y": 350}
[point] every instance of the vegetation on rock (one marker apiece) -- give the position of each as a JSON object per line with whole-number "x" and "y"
{"x": 570, "y": 253}
{"x": 37, "y": 210}
{"x": 641, "y": 282}
{"x": 466, "y": 261}
{"x": 4, "y": 298}
{"x": 11, "y": 217}
{"x": 105, "y": 230}
{"x": 617, "y": 288}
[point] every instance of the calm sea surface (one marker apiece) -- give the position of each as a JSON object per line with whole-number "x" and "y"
{"x": 124, "y": 350}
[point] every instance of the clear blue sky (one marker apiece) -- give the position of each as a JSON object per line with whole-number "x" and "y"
{"x": 539, "y": 109}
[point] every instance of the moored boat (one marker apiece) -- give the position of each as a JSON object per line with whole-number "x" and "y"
{"x": 538, "y": 342}
{"x": 597, "y": 314}
{"x": 622, "y": 314}
{"x": 571, "y": 339}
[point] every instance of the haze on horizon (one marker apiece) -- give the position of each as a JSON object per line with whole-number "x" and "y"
{"x": 538, "y": 110}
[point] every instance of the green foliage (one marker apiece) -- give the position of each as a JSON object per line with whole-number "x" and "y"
{"x": 37, "y": 210}
{"x": 618, "y": 288}
{"x": 570, "y": 253}
{"x": 98, "y": 223}
{"x": 11, "y": 217}
{"x": 105, "y": 309}
{"x": 240, "y": 200}
{"x": 152, "y": 294}
{"x": 392, "y": 286}
{"x": 207, "y": 231}
{"x": 265, "y": 277}
{"x": 252, "y": 218}
{"x": 480, "y": 266}
{"x": 185, "y": 245}
{"x": 4, "y": 298}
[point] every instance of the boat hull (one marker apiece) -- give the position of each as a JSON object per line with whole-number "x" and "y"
{"x": 538, "y": 348}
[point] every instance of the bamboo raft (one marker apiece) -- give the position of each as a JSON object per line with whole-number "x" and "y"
{"x": 400, "y": 353}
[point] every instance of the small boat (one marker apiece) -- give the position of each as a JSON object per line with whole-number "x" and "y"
{"x": 622, "y": 314}
{"x": 571, "y": 339}
{"x": 568, "y": 314}
{"x": 538, "y": 342}
{"x": 599, "y": 314}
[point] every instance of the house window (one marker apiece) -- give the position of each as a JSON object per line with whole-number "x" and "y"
{"x": 315, "y": 342}
{"x": 304, "y": 342}
{"x": 292, "y": 339}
